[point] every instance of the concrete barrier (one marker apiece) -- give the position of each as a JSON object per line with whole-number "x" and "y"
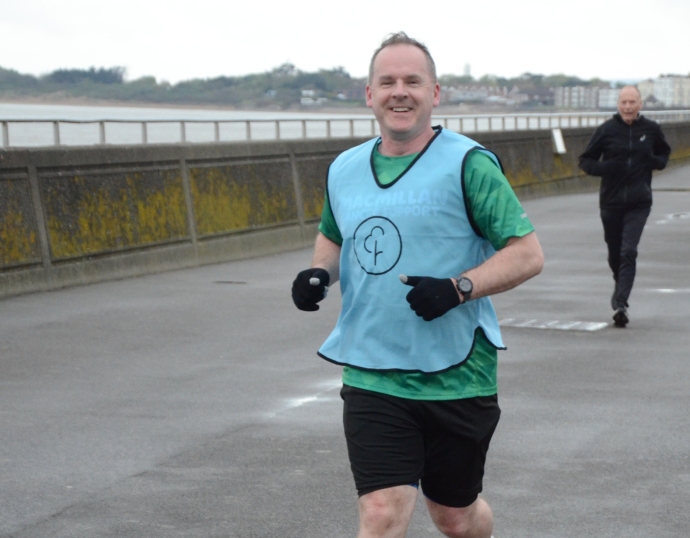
{"x": 78, "y": 215}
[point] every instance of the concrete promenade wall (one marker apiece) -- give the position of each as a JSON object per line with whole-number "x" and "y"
{"x": 76, "y": 215}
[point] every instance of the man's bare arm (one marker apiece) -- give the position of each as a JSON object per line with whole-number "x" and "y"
{"x": 520, "y": 260}
{"x": 327, "y": 256}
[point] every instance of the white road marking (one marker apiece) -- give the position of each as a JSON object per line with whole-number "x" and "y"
{"x": 670, "y": 290}
{"x": 588, "y": 326}
{"x": 294, "y": 403}
{"x": 673, "y": 217}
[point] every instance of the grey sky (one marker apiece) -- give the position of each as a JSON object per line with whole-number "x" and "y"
{"x": 177, "y": 40}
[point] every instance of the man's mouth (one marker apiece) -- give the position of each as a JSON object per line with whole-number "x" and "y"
{"x": 401, "y": 109}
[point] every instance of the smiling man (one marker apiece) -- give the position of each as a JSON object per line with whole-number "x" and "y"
{"x": 419, "y": 352}
{"x": 630, "y": 146}
{"x": 402, "y": 93}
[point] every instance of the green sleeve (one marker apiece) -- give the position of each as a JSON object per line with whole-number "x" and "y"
{"x": 494, "y": 207}
{"x": 328, "y": 226}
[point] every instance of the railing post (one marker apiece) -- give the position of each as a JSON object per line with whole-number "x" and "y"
{"x": 373, "y": 127}
{"x": 101, "y": 132}
{"x": 5, "y": 135}
{"x": 56, "y": 133}
{"x": 216, "y": 131}
{"x": 352, "y": 128}
{"x": 248, "y": 129}
{"x": 183, "y": 132}
{"x": 277, "y": 123}
{"x": 328, "y": 128}
{"x": 39, "y": 216}
{"x": 144, "y": 133}
{"x": 304, "y": 129}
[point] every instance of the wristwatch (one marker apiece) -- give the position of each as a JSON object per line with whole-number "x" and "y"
{"x": 465, "y": 288}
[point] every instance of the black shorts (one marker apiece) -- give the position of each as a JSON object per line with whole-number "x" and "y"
{"x": 396, "y": 441}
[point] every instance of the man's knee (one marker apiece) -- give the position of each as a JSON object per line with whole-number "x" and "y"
{"x": 629, "y": 253}
{"x": 386, "y": 509}
{"x": 376, "y": 511}
{"x": 455, "y": 527}
{"x": 474, "y": 521}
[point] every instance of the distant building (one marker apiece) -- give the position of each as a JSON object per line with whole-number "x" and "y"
{"x": 541, "y": 97}
{"x": 608, "y": 98}
{"x": 471, "y": 93}
{"x": 576, "y": 97}
{"x": 646, "y": 88}
{"x": 352, "y": 94}
{"x": 309, "y": 98}
{"x": 673, "y": 91}
{"x": 585, "y": 98}
{"x": 516, "y": 96}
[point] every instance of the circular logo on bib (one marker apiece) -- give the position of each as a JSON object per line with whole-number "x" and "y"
{"x": 378, "y": 245}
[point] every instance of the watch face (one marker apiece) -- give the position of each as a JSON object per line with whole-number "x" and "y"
{"x": 465, "y": 285}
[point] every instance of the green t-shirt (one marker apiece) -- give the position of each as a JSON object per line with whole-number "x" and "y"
{"x": 499, "y": 215}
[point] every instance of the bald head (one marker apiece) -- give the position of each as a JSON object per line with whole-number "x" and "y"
{"x": 629, "y": 103}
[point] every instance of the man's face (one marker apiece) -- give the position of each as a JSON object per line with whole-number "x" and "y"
{"x": 629, "y": 104}
{"x": 402, "y": 93}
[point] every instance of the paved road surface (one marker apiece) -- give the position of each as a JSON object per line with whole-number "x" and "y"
{"x": 192, "y": 404}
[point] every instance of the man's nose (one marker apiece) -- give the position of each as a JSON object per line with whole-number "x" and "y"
{"x": 399, "y": 90}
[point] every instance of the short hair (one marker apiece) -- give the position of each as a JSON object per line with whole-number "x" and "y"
{"x": 401, "y": 38}
{"x": 639, "y": 93}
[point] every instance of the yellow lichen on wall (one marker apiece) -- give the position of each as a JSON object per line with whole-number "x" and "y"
{"x": 17, "y": 240}
{"x": 562, "y": 167}
{"x": 521, "y": 177}
{"x": 220, "y": 207}
{"x": 680, "y": 153}
{"x": 313, "y": 204}
{"x": 271, "y": 207}
{"x": 312, "y": 172}
{"x": 162, "y": 210}
{"x": 106, "y": 219}
{"x": 238, "y": 197}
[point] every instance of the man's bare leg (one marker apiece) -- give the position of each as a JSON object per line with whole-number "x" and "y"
{"x": 386, "y": 513}
{"x": 473, "y": 521}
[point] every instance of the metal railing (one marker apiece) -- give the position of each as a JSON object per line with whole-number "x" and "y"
{"x": 177, "y": 130}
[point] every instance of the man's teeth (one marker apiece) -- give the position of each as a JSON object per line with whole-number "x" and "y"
{"x": 401, "y": 109}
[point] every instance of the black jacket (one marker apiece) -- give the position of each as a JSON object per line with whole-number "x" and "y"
{"x": 630, "y": 153}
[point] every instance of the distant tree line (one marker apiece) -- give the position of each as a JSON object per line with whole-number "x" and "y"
{"x": 281, "y": 87}
{"x": 526, "y": 82}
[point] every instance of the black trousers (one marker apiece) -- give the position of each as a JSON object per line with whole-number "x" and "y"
{"x": 622, "y": 232}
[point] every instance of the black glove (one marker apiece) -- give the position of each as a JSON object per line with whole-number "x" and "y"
{"x": 305, "y": 295}
{"x": 430, "y": 298}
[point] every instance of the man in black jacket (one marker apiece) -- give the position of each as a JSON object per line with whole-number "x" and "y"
{"x": 630, "y": 147}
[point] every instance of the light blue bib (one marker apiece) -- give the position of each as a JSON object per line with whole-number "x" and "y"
{"x": 417, "y": 225}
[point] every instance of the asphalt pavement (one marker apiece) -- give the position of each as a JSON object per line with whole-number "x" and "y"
{"x": 192, "y": 403}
